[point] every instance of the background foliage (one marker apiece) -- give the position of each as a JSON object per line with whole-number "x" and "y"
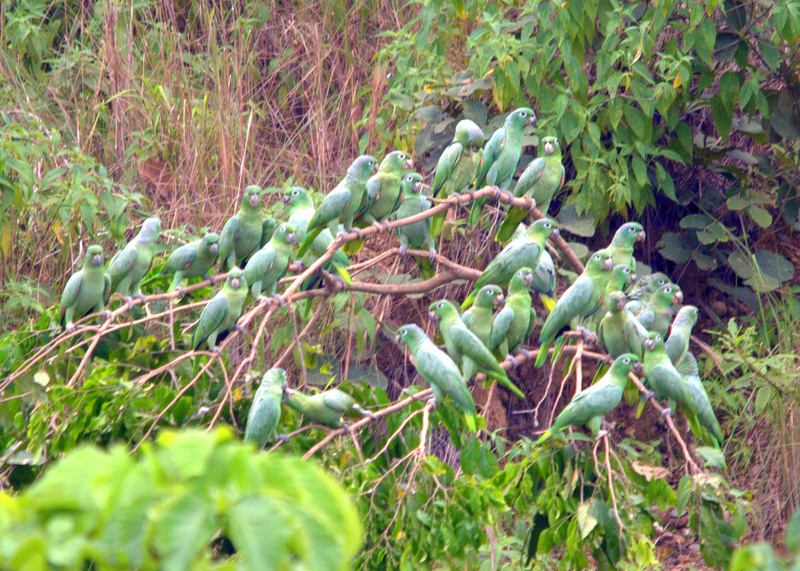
{"x": 682, "y": 116}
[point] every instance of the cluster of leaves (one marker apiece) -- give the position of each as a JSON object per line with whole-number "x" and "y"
{"x": 190, "y": 500}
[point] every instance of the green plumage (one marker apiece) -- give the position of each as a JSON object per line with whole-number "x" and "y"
{"x": 384, "y": 185}
{"x": 130, "y": 265}
{"x": 270, "y": 263}
{"x": 707, "y": 426}
{"x": 540, "y": 180}
{"x": 478, "y": 318}
{"x": 86, "y": 290}
{"x": 416, "y": 235}
{"x": 524, "y": 251}
{"x": 515, "y": 322}
{"x": 465, "y": 348}
{"x": 621, "y": 276}
{"x": 619, "y": 331}
{"x": 591, "y": 404}
{"x": 193, "y": 260}
{"x": 343, "y": 204}
{"x": 222, "y": 312}
{"x": 327, "y": 407}
{"x": 663, "y": 378}
{"x": 680, "y": 332}
{"x": 623, "y": 241}
{"x": 658, "y": 313}
{"x": 245, "y": 232}
{"x": 439, "y": 369}
{"x": 501, "y": 155}
{"x": 265, "y": 412}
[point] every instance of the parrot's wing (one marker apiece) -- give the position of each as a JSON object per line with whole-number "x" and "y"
{"x": 447, "y": 162}
{"x": 121, "y": 263}
{"x": 71, "y": 290}
{"x": 181, "y": 258}
{"x": 211, "y": 318}
{"x": 501, "y": 326}
{"x": 529, "y": 176}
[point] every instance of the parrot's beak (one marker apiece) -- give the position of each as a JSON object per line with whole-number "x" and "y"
{"x": 642, "y": 235}
{"x": 287, "y": 392}
{"x": 97, "y": 260}
{"x": 549, "y": 148}
{"x": 409, "y": 164}
{"x": 498, "y": 301}
{"x": 213, "y": 248}
{"x": 632, "y": 278}
{"x": 433, "y": 316}
{"x": 637, "y": 368}
{"x": 621, "y": 303}
{"x": 255, "y": 200}
{"x": 285, "y": 199}
{"x": 235, "y": 283}
{"x": 291, "y": 237}
{"x": 417, "y": 187}
{"x": 531, "y": 122}
{"x": 555, "y": 233}
{"x": 678, "y": 297}
{"x": 528, "y": 279}
{"x": 649, "y": 344}
{"x": 397, "y": 339}
{"x": 608, "y": 264}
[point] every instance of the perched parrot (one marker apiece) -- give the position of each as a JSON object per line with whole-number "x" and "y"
{"x": 664, "y": 379}
{"x": 621, "y": 276}
{"x": 706, "y": 427}
{"x": 301, "y": 210}
{"x": 658, "y": 314}
{"x": 265, "y": 412}
{"x": 478, "y": 318}
{"x": 677, "y": 344}
{"x": 515, "y": 322}
{"x": 619, "y": 331}
{"x": 416, "y": 235}
{"x": 457, "y": 167}
{"x": 244, "y": 232}
{"x": 384, "y": 185}
{"x": 193, "y": 260}
{"x": 222, "y": 312}
{"x": 465, "y": 348}
{"x": 501, "y": 155}
{"x": 438, "y": 368}
{"x": 86, "y": 291}
{"x": 270, "y": 263}
{"x": 591, "y": 404}
{"x": 342, "y": 204}
{"x": 642, "y": 291}
{"x": 130, "y": 265}
{"x": 623, "y": 241}
{"x": 582, "y": 299}
{"x": 542, "y": 178}
{"x": 327, "y": 407}
{"x": 544, "y": 280}
{"x": 522, "y": 252}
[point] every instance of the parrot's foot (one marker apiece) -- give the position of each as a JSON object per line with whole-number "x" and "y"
{"x": 140, "y": 296}
{"x": 129, "y": 301}
{"x": 282, "y": 438}
{"x": 70, "y": 327}
{"x": 588, "y": 337}
{"x": 528, "y": 356}
{"x": 381, "y": 226}
{"x": 650, "y": 395}
{"x": 601, "y": 434}
{"x": 665, "y": 412}
{"x": 180, "y": 291}
{"x": 300, "y": 266}
{"x": 106, "y": 313}
{"x": 511, "y": 359}
{"x": 432, "y": 254}
{"x": 209, "y": 279}
{"x": 358, "y": 232}
{"x": 506, "y": 196}
{"x": 403, "y": 249}
{"x": 370, "y": 414}
{"x": 238, "y": 328}
{"x": 458, "y": 197}
{"x": 279, "y": 298}
{"x": 216, "y": 349}
{"x": 432, "y": 402}
{"x": 531, "y": 205}
{"x": 261, "y": 298}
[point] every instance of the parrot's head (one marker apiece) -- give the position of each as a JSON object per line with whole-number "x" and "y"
{"x": 629, "y": 233}
{"x": 687, "y": 315}
{"x": 469, "y": 134}
{"x": 412, "y": 182}
{"x": 408, "y": 334}
{"x": 236, "y": 279}
{"x": 211, "y": 242}
{"x": 523, "y": 277}
{"x": 550, "y": 145}
{"x": 490, "y": 296}
{"x": 441, "y": 310}
{"x": 623, "y": 274}
{"x": 670, "y": 294}
{"x": 617, "y": 300}
{"x": 287, "y": 233}
{"x": 252, "y": 195}
{"x": 94, "y": 255}
{"x": 628, "y": 362}
{"x": 151, "y": 229}
{"x": 652, "y": 341}
{"x": 522, "y": 117}
{"x": 275, "y": 377}
{"x": 363, "y": 167}
{"x": 297, "y": 195}
{"x": 543, "y": 227}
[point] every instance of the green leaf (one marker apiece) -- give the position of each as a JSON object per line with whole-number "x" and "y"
{"x": 760, "y": 216}
{"x": 586, "y": 521}
{"x": 736, "y": 203}
{"x": 470, "y": 456}
{"x": 699, "y": 221}
{"x": 675, "y": 248}
{"x": 793, "y": 533}
{"x": 722, "y": 115}
{"x": 259, "y": 532}
{"x": 763, "y": 398}
{"x": 712, "y": 457}
{"x": 774, "y": 265}
{"x": 183, "y": 527}
{"x": 574, "y": 223}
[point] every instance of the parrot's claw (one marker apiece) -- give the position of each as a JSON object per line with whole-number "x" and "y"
{"x": 106, "y": 315}
{"x": 179, "y": 289}
{"x": 527, "y": 354}
{"x": 300, "y": 266}
{"x": 665, "y": 412}
{"x": 506, "y": 196}
{"x": 370, "y": 414}
{"x": 601, "y": 434}
{"x": 432, "y": 254}
{"x": 458, "y": 197}
{"x": 282, "y": 438}
{"x": 588, "y": 337}
{"x": 210, "y": 280}
{"x": 650, "y": 395}
{"x": 70, "y": 327}
{"x": 261, "y": 298}
{"x": 238, "y": 328}
{"x": 217, "y": 350}
{"x": 279, "y": 298}
{"x": 358, "y": 232}
{"x": 511, "y": 359}
{"x": 403, "y": 249}
{"x": 531, "y": 205}
{"x": 432, "y": 402}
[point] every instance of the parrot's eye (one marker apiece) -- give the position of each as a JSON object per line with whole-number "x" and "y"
{"x": 295, "y": 193}
{"x": 627, "y": 360}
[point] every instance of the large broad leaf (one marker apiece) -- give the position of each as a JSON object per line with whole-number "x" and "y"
{"x": 574, "y": 223}
{"x": 184, "y": 526}
{"x": 259, "y": 532}
{"x": 675, "y": 248}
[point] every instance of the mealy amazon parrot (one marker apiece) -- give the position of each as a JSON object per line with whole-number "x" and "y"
{"x": 342, "y": 204}
{"x": 514, "y": 323}
{"x": 439, "y": 369}
{"x": 87, "y": 289}
{"x": 540, "y": 180}
{"x": 465, "y": 348}
{"x": 326, "y": 408}
{"x": 222, "y": 312}
{"x": 130, "y": 265}
{"x": 478, "y": 318}
{"x": 707, "y": 427}
{"x": 619, "y": 332}
{"x": 680, "y": 331}
{"x": 193, "y": 260}
{"x": 623, "y": 241}
{"x": 265, "y": 412}
{"x": 270, "y": 263}
{"x": 658, "y": 314}
{"x": 301, "y": 211}
{"x": 416, "y": 235}
{"x": 501, "y": 155}
{"x": 384, "y": 185}
{"x": 664, "y": 379}
{"x": 643, "y": 289}
{"x": 591, "y": 404}
{"x": 457, "y": 167}
{"x": 244, "y": 232}
{"x": 621, "y": 276}
{"x": 525, "y": 251}
{"x": 580, "y": 300}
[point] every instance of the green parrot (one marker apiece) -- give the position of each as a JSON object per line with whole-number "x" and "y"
{"x": 619, "y": 331}
{"x": 478, "y": 318}
{"x": 439, "y": 369}
{"x": 326, "y": 408}
{"x": 270, "y": 263}
{"x": 301, "y": 211}
{"x": 466, "y": 348}
{"x": 706, "y": 426}
{"x": 658, "y": 314}
{"x": 623, "y": 241}
{"x": 621, "y": 276}
{"x": 193, "y": 260}
{"x": 515, "y": 322}
{"x": 642, "y": 291}
{"x": 591, "y": 404}
{"x": 501, "y": 155}
{"x": 384, "y": 185}
{"x": 664, "y": 379}
{"x": 457, "y": 167}
{"x": 541, "y": 180}
{"x": 265, "y": 412}
{"x": 580, "y": 300}
{"x": 544, "y": 274}
{"x": 86, "y": 291}
{"x": 677, "y": 344}
{"x": 525, "y": 251}
{"x": 222, "y": 312}
{"x": 130, "y": 265}
{"x": 342, "y": 204}
{"x": 244, "y": 232}
{"x": 415, "y": 235}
